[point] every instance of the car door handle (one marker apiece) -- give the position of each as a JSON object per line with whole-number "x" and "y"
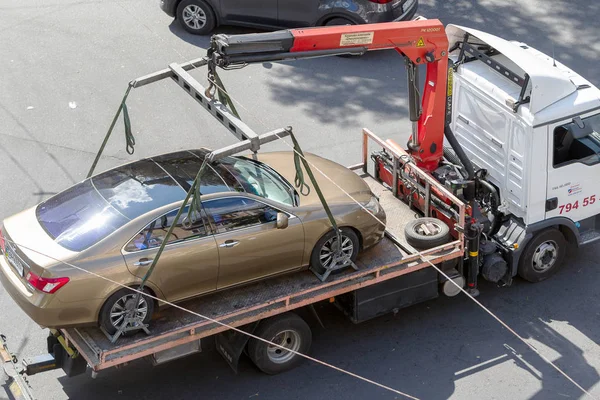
{"x": 142, "y": 262}
{"x": 229, "y": 243}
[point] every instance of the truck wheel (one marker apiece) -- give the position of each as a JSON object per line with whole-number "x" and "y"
{"x": 113, "y": 311}
{"x": 287, "y": 330}
{"x": 322, "y": 255}
{"x": 543, "y": 255}
{"x": 196, "y": 16}
{"x": 425, "y": 233}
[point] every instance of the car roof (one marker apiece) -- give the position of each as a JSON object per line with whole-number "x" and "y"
{"x": 145, "y": 185}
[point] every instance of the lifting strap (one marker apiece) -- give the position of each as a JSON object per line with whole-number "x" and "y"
{"x": 129, "y": 139}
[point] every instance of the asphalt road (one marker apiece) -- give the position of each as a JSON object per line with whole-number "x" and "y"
{"x": 65, "y": 65}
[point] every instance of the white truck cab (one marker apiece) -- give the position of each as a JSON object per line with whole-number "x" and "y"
{"x": 534, "y": 125}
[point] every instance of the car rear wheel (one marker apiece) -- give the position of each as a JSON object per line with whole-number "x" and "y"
{"x": 114, "y": 310}
{"x": 289, "y": 332}
{"x": 196, "y": 16}
{"x": 323, "y": 253}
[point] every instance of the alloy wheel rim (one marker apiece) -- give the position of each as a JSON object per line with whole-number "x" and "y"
{"x": 327, "y": 253}
{"x": 427, "y": 228}
{"x": 545, "y": 256}
{"x": 194, "y": 16}
{"x": 118, "y": 312}
{"x": 288, "y": 339}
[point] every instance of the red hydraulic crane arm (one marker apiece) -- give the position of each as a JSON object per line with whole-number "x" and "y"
{"x": 420, "y": 41}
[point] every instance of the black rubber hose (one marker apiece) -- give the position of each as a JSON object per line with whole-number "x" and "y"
{"x": 460, "y": 153}
{"x": 492, "y": 189}
{"x": 451, "y": 156}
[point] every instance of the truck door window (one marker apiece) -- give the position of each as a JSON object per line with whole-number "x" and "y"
{"x": 577, "y": 141}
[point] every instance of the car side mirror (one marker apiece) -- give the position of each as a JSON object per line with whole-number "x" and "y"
{"x": 282, "y": 220}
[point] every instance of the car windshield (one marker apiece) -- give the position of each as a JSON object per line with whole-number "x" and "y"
{"x": 260, "y": 179}
{"x": 79, "y": 217}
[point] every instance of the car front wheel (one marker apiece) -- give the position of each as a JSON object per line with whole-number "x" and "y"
{"x": 323, "y": 254}
{"x": 196, "y": 16}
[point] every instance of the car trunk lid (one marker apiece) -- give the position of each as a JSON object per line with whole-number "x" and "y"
{"x": 27, "y": 247}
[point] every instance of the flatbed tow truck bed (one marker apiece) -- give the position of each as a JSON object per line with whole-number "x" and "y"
{"x": 236, "y": 307}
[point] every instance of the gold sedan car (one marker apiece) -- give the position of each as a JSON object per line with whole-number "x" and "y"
{"x": 254, "y": 225}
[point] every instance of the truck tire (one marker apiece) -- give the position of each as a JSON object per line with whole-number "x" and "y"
{"x": 196, "y": 17}
{"x": 325, "y": 244}
{"x": 425, "y": 233}
{"x": 543, "y": 255}
{"x": 109, "y": 318}
{"x": 288, "y": 330}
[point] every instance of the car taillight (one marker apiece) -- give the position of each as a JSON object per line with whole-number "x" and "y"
{"x": 2, "y": 242}
{"x": 381, "y": 1}
{"x": 46, "y": 285}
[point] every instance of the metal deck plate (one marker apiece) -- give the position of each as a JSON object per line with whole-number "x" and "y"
{"x": 398, "y": 213}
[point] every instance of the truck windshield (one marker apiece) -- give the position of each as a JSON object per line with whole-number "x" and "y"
{"x": 259, "y": 179}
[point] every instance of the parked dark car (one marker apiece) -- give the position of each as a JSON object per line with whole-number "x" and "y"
{"x": 202, "y": 16}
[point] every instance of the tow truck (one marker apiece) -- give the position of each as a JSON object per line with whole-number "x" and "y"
{"x": 497, "y": 179}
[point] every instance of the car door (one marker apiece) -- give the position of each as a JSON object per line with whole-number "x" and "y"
{"x": 573, "y": 169}
{"x": 189, "y": 263}
{"x": 250, "y": 245}
{"x": 298, "y": 13}
{"x": 262, "y": 12}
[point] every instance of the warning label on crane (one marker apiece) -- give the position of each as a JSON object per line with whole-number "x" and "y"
{"x": 420, "y": 42}
{"x": 353, "y": 39}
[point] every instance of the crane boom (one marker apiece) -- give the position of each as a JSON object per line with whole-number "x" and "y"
{"x": 420, "y": 41}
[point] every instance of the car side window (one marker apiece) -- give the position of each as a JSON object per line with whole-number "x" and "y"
{"x": 238, "y": 212}
{"x": 155, "y": 232}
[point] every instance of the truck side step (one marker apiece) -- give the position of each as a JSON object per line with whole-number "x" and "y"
{"x": 589, "y": 237}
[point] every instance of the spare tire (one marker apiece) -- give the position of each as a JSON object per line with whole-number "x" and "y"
{"x": 425, "y": 233}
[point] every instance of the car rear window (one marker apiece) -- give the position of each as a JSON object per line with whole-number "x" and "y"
{"x": 79, "y": 217}
{"x": 89, "y": 211}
